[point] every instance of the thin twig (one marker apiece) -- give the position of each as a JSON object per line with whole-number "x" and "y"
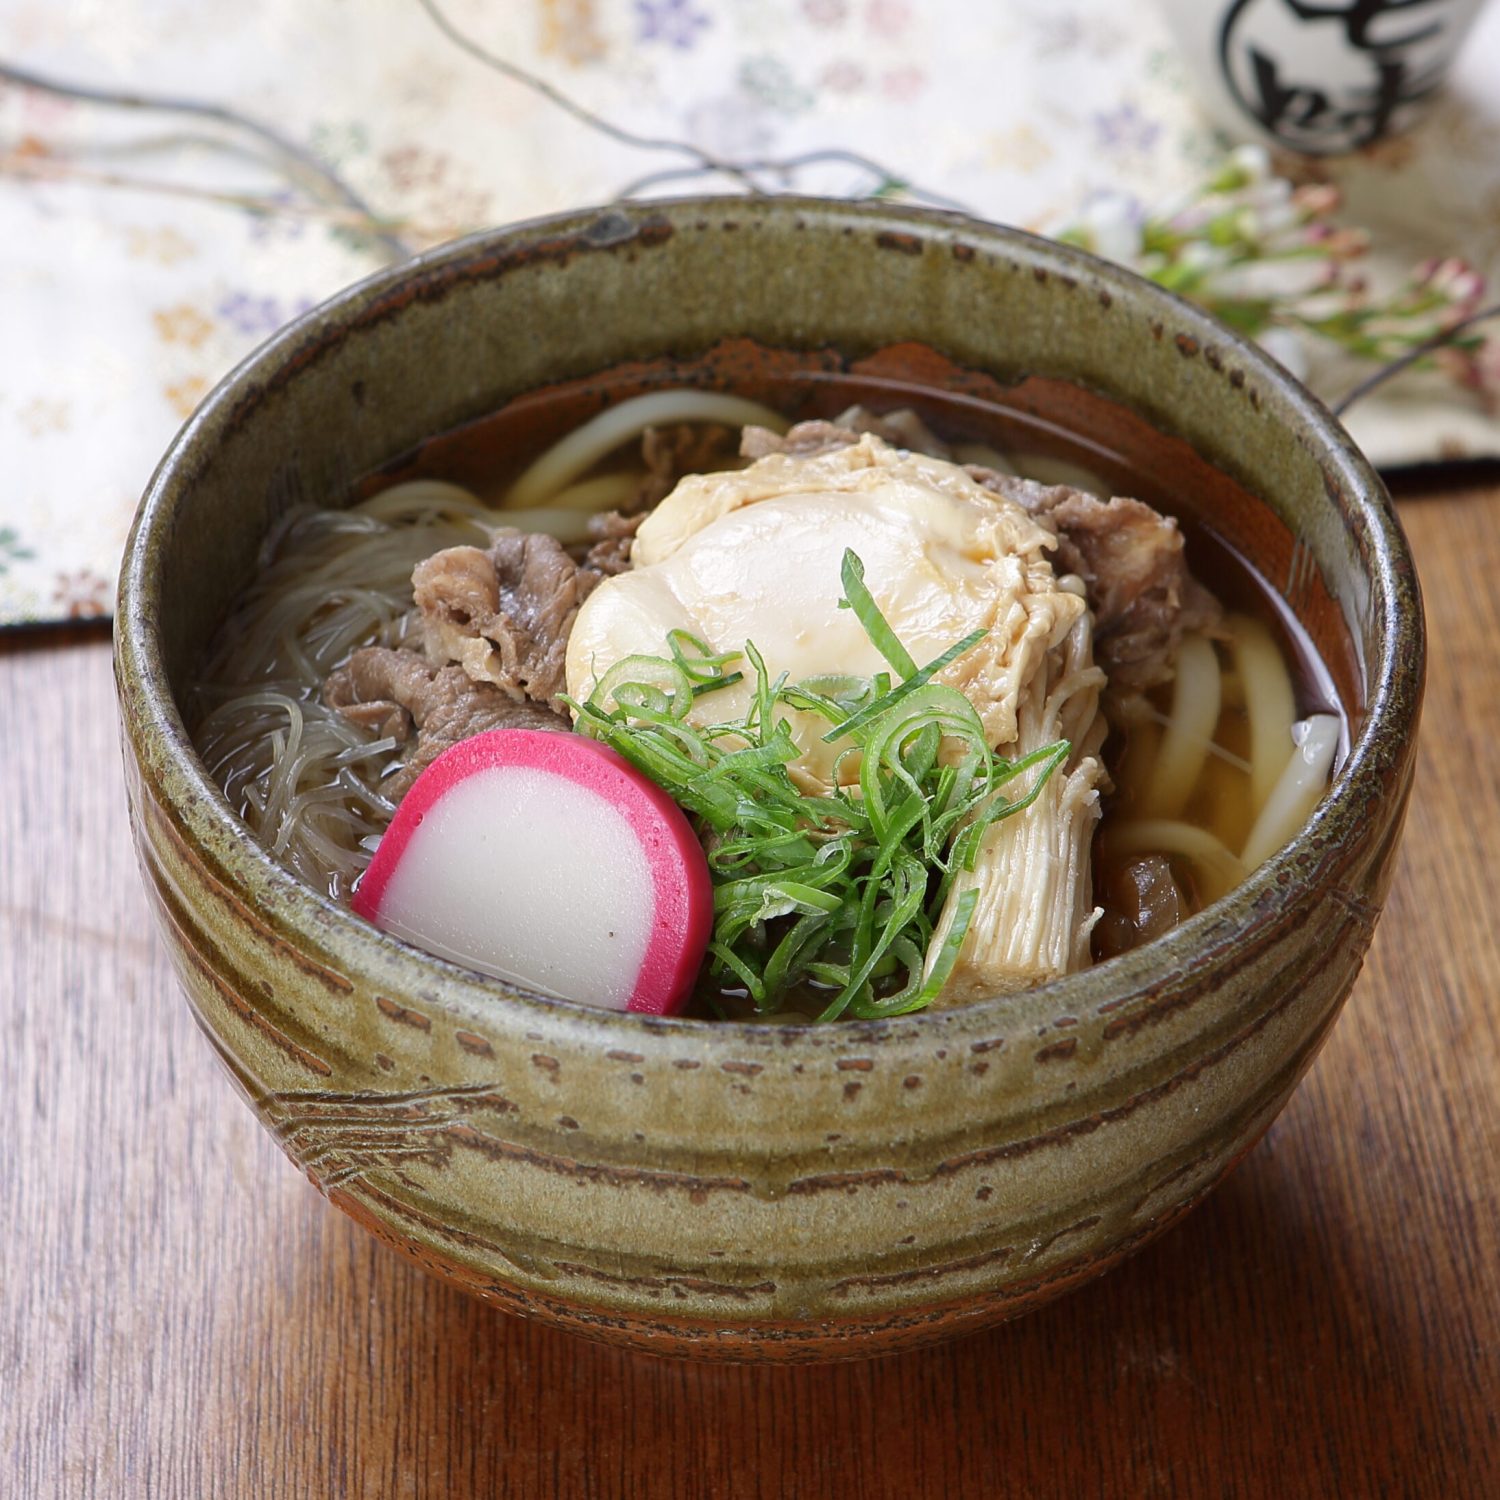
{"x": 788, "y": 164}
{"x": 705, "y": 164}
{"x": 884, "y": 173}
{"x": 222, "y": 114}
{"x": 705, "y": 161}
{"x": 51, "y": 169}
{"x": 638, "y": 185}
{"x": 1412, "y": 355}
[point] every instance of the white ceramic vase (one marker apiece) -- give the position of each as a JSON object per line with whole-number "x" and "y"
{"x": 1318, "y": 76}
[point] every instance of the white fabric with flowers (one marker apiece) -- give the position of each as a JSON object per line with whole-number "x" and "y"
{"x": 145, "y": 252}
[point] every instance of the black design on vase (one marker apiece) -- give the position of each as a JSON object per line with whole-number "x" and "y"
{"x": 1326, "y": 76}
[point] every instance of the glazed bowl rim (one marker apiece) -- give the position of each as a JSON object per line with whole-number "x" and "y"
{"x": 153, "y": 721}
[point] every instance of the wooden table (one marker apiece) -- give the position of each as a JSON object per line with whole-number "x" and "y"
{"x": 183, "y": 1316}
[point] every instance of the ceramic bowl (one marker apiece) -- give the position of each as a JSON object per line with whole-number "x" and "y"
{"x": 733, "y": 1190}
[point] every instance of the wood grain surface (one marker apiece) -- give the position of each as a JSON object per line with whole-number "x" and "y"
{"x": 181, "y": 1316}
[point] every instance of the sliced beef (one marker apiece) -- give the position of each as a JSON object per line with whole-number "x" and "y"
{"x": 684, "y": 448}
{"x": 611, "y": 536}
{"x": 805, "y": 440}
{"x": 1129, "y": 557}
{"x": 901, "y": 429}
{"x": 1132, "y": 564}
{"x": 504, "y": 614}
{"x": 495, "y": 627}
{"x": 397, "y": 692}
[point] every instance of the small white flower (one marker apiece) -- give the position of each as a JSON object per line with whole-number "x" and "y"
{"x": 1198, "y": 256}
{"x": 1270, "y": 193}
{"x": 1285, "y": 347}
{"x": 1254, "y": 161}
{"x": 1455, "y": 279}
{"x": 1113, "y": 232}
{"x": 1274, "y": 219}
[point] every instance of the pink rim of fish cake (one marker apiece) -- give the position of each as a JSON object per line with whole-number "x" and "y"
{"x": 682, "y": 894}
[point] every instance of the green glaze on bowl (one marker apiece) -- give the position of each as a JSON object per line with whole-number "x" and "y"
{"x": 747, "y": 1191}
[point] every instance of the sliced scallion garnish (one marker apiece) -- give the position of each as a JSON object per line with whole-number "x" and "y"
{"x": 829, "y": 901}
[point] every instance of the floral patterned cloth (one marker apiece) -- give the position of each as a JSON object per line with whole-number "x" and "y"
{"x": 143, "y": 254}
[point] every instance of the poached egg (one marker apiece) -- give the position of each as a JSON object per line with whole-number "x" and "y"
{"x": 756, "y": 554}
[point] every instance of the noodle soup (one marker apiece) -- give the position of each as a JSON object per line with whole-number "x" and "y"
{"x": 1200, "y": 778}
{"x": 723, "y": 1190}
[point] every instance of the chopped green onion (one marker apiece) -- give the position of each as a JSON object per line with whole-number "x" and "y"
{"x": 829, "y": 902}
{"x": 858, "y": 598}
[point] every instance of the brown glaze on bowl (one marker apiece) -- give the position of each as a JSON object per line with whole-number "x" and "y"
{"x": 742, "y": 1191}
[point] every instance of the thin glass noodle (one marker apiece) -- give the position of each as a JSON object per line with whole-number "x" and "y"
{"x": 304, "y": 778}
